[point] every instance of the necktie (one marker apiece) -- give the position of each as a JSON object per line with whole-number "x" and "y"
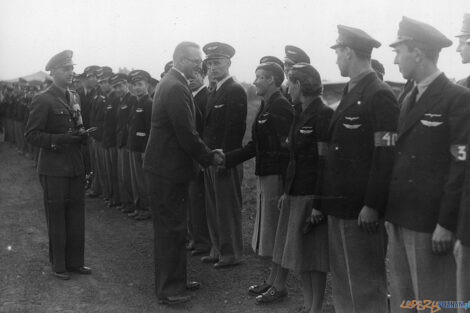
{"x": 411, "y": 101}
{"x": 67, "y": 97}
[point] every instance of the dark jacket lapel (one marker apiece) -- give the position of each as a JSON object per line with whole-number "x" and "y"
{"x": 427, "y": 100}
{"x": 214, "y": 98}
{"x": 351, "y": 97}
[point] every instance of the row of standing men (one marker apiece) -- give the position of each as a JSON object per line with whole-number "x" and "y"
{"x": 337, "y": 175}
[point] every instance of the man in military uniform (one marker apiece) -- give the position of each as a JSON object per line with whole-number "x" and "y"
{"x": 126, "y": 103}
{"x": 428, "y": 171}
{"x": 462, "y": 245}
{"x": 86, "y": 96}
{"x": 111, "y": 102}
{"x": 98, "y": 106}
{"x": 55, "y": 125}
{"x": 224, "y": 127}
{"x": 361, "y": 141}
{"x": 139, "y": 129}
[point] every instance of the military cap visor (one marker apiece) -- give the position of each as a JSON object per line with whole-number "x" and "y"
{"x": 218, "y": 50}
{"x": 410, "y": 29}
{"x": 62, "y": 59}
{"x": 355, "y": 39}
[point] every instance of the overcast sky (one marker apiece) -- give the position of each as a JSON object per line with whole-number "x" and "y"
{"x": 142, "y": 34}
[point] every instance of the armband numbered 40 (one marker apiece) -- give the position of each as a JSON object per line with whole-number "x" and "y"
{"x": 385, "y": 139}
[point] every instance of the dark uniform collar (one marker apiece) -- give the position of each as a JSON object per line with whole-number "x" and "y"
{"x": 355, "y": 80}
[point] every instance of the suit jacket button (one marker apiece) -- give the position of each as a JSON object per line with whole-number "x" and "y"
{"x": 413, "y": 156}
{"x": 410, "y": 181}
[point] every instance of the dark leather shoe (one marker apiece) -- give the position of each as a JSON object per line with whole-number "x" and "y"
{"x": 84, "y": 270}
{"x": 199, "y": 252}
{"x": 209, "y": 259}
{"x": 272, "y": 295}
{"x": 223, "y": 264}
{"x": 193, "y": 285}
{"x": 174, "y": 300}
{"x": 256, "y": 290}
{"x": 143, "y": 215}
{"x": 93, "y": 194}
{"x": 62, "y": 275}
{"x": 128, "y": 209}
{"x": 133, "y": 214}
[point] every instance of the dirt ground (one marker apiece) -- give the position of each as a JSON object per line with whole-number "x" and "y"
{"x": 120, "y": 252}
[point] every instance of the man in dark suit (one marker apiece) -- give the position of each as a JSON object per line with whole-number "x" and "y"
{"x": 428, "y": 171}
{"x": 361, "y": 136}
{"x": 224, "y": 127}
{"x": 172, "y": 147}
{"x": 55, "y": 125}
{"x": 199, "y": 239}
{"x": 462, "y": 245}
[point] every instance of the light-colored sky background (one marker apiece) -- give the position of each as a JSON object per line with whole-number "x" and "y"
{"x": 142, "y": 34}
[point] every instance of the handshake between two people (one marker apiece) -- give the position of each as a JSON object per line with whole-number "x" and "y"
{"x": 218, "y": 157}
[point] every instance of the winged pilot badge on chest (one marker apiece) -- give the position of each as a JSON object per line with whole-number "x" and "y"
{"x": 352, "y": 122}
{"x": 432, "y": 120}
{"x": 306, "y": 130}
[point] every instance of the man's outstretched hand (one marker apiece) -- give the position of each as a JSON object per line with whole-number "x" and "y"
{"x": 218, "y": 157}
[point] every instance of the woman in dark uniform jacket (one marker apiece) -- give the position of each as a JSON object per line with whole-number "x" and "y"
{"x": 301, "y": 243}
{"x": 269, "y": 132}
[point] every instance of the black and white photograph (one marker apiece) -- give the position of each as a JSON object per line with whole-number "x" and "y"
{"x": 242, "y": 156}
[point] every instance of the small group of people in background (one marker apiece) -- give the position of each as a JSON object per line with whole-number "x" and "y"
{"x": 338, "y": 191}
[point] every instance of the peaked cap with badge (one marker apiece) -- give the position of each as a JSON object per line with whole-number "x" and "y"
{"x": 413, "y": 30}
{"x": 61, "y": 59}
{"x": 356, "y": 39}
{"x": 218, "y": 50}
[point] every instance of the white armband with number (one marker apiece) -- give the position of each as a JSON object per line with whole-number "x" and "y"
{"x": 385, "y": 139}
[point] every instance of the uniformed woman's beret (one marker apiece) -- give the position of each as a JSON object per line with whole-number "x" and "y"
{"x": 118, "y": 78}
{"x": 137, "y": 75}
{"x": 270, "y": 58}
{"x": 295, "y": 55}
